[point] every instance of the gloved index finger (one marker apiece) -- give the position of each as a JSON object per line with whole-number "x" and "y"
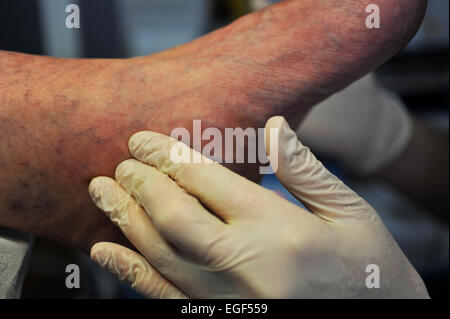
{"x": 222, "y": 191}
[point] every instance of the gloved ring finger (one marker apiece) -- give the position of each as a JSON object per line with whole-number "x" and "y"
{"x": 123, "y": 210}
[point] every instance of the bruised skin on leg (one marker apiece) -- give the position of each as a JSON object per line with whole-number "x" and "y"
{"x": 68, "y": 132}
{"x": 63, "y": 122}
{"x": 52, "y": 140}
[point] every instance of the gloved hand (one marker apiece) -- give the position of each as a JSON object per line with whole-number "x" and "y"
{"x": 365, "y": 127}
{"x": 206, "y": 232}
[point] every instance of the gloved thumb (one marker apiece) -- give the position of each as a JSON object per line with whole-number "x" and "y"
{"x": 309, "y": 181}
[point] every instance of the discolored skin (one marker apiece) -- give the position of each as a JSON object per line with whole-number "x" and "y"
{"x": 64, "y": 121}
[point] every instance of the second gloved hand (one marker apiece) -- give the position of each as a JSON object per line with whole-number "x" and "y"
{"x": 365, "y": 127}
{"x": 206, "y": 232}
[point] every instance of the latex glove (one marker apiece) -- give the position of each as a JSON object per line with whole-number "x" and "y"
{"x": 365, "y": 127}
{"x": 206, "y": 232}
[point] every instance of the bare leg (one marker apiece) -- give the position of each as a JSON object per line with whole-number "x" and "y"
{"x": 62, "y": 122}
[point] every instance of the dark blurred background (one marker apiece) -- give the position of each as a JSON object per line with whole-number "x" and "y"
{"x": 125, "y": 28}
